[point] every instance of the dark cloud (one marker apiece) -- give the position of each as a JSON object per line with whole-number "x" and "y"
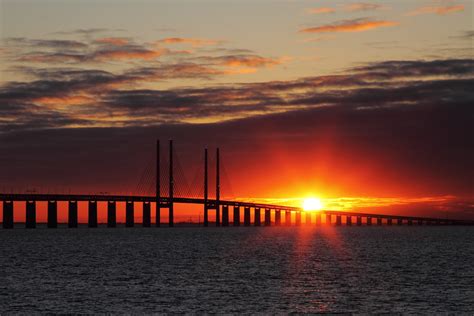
{"x": 54, "y": 44}
{"x": 100, "y": 94}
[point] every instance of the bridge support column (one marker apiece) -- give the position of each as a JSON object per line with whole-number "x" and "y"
{"x": 277, "y": 217}
{"x": 359, "y": 221}
{"x": 268, "y": 218}
{"x": 30, "y": 220}
{"x": 318, "y": 219}
{"x": 369, "y": 221}
{"x": 298, "y": 218}
{"x": 92, "y": 222}
{"x": 420, "y": 222}
{"x": 379, "y": 221}
{"x": 52, "y": 214}
{"x": 287, "y": 218}
{"x": 146, "y": 222}
{"x": 206, "y": 216}
{"x": 218, "y": 215}
{"x": 348, "y": 220}
{"x": 338, "y": 220}
{"x": 157, "y": 214}
{"x": 7, "y": 214}
{"x": 256, "y": 220}
{"x": 308, "y": 218}
{"x": 410, "y": 222}
{"x": 246, "y": 216}
{"x": 111, "y": 214}
{"x": 389, "y": 221}
{"x": 328, "y": 219}
{"x": 72, "y": 214}
{"x": 399, "y": 221}
{"x": 225, "y": 215}
{"x": 129, "y": 214}
{"x": 236, "y": 215}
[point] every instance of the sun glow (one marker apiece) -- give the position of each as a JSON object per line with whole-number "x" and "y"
{"x": 312, "y": 204}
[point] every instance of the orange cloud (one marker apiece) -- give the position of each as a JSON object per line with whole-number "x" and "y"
{"x": 196, "y": 42}
{"x": 249, "y": 61}
{"x": 439, "y": 10}
{"x": 322, "y": 10}
{"x": 63, "y": 100}
{"x": 357, "y": 25}
{"x": 124, "y": 54}
{"x": 361, "y": 6}
{"x": 117, "y": 41}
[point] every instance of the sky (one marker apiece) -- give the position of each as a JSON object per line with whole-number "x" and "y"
{"x": 366, "y": 105}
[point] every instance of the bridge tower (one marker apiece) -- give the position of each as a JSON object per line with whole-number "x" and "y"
{"x": 157, "y": 185}
{"x": 171, "y": 187}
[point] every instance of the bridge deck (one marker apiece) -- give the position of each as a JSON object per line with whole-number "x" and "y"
{"x": 164, "y": 202}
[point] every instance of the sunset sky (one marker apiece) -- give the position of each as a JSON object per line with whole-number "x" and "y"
{"x": 367, "y": 105}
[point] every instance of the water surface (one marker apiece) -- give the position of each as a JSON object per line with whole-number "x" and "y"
{"x": 238, "y": 270}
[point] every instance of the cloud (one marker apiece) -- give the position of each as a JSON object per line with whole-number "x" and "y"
{"x": 116, "y": 41}
{"x": 195, "y": 42}
{"x": 322, "y": 10}
{"x": 53, "y": 44}
{"x": 355, "y": 25}
{"x": 439, "y": 10}
{"x": 361, "y": 6}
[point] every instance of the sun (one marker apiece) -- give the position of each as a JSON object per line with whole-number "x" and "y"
{"x": 312, "y": 204}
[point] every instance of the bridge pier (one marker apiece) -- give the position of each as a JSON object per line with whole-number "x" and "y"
{"x": 298, "y": 218}
{"x": 7, "y": 214}
{"x": 287, "y": 218}
{"x": 268, "y": 219}
{"x": 146, "y": 222}
{"x": 410, "y": 222}
{"x": 129, "y": 214}
{"x": 52, "y": 214}
{"x": 420, "y": 222}
{"x": 318, "y": 219}
{"x": 379, "y": 221}
{"x": 389, "y": 221}
{"x": 359, "y": 220}
{"x": 236, "y": 215}
{"x": 308, "y": 218}
{"x": 328, "y": 219}
{"x": 158, "y": 214}
{"x": 30, "y": 220}
{"x": 225, "y": 215}
{"x": 277, "y": 217}
{"x": 72, "y": 214}
{"x": 338, "y": 220}
{"x": 111, "y": 214}
{"x": 92, "y": 221}
{"x": 399, "y": 221}
{"x": 256, "y": 214}
{"x": 246, "y": 216}
{"x": 348, "y": 220}
{"x": 369, "y": 221}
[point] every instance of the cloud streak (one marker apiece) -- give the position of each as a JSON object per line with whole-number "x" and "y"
{"x": 362, "y": 6}
{"x": 439, "y": 10}
{"x": 355, "y": 25}
{"x": 322, "y": 10}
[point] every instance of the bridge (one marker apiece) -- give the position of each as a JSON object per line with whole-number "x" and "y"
{"x": 222, "y": 208}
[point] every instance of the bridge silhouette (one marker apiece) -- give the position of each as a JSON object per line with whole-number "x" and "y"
{"x": 222, "y": 208}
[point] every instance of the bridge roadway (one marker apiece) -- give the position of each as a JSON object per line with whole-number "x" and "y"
{"x": 211, "y": 204}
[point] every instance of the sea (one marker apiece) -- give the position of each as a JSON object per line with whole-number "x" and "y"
{"x": 238, "y": 270}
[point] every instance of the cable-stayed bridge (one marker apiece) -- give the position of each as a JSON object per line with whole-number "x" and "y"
{"x": 163, "y": 183}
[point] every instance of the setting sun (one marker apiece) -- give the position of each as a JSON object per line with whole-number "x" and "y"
{"x": 312, "y": 204}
